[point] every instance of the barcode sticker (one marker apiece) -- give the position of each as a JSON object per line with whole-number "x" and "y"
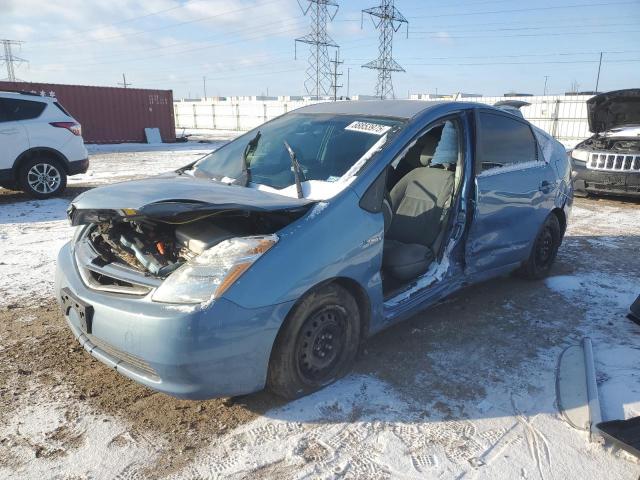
{"x": 367, "y": 127}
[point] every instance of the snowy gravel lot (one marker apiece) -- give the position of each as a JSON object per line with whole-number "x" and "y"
{"x": 463, "y": 390}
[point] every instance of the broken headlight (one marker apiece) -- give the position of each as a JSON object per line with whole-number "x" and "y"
{"x": 580, "y": 155}
{"x": 211, "y": 273}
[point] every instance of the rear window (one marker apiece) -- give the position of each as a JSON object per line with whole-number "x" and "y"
{"x": 61, "y": 109}
{"x": 13, "y": 109}
{"x": 503, "y": 141}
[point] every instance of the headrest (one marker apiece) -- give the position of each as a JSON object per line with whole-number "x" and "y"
{"x": 428, "y": 149}
{"x": 447, "y": 150}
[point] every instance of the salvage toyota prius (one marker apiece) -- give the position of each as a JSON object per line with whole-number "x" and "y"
{"x": 267, "y": 262}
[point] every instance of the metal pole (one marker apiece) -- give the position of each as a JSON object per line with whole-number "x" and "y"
{"x": 204, "y": 86}
{"x": 546, "y": 77}
{"x": 598, "y": 78}
{"x": 348, "y": 81}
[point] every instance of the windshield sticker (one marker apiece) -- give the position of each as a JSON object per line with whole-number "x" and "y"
{"x": 367, "y": 127}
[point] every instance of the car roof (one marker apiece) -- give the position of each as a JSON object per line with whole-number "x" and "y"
{"x": 384, "y": 108}
{"x": 27, "y": 96}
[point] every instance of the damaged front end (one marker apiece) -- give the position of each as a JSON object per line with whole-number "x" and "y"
{"x": 609, "y": 161}
{"x": 186, "y": 251}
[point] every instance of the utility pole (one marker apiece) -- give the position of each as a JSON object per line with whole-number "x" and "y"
{"x": 124, "y": 82}
{"x": 348, "y": 82}
{"x": 546, "y": 77}
{"x": 10, "y": 59}
{"x": 388, "y": 20}
{"x": 204, "y": 86}
{"x": 598, "y": 77}
{"x": 318, "y": 81}
{"x": 336, "y": 63}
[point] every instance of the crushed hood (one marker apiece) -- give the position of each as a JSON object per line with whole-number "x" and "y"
{"x": 174, "y": 196}
{"x": 614, "y": 109}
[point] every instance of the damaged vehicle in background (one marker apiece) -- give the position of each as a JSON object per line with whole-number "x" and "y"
{"x": 270, "y": 261}
{"x": 609, "y": 161}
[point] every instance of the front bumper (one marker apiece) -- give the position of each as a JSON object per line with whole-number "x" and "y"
{"x": 604, "y": 182}
{"x": 222, "y": 350}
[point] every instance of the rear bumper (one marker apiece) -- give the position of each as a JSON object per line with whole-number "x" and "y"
{"x": 222, "y": 350}
{"x": 603, "y": 182}
{"x": 78, "y": 166}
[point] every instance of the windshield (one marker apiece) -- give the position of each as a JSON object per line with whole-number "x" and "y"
{"x": 325, "y": 146}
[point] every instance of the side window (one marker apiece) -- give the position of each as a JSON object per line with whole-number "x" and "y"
{"x": 503, "y": 141}
{"x": 15, "y": 109}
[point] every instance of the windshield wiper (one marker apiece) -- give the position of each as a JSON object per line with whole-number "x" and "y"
{"x": 246, "y": 167}
{"x": 296, "y": 169}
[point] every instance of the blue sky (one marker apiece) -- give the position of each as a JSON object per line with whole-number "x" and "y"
{"x": 246, "y": 47}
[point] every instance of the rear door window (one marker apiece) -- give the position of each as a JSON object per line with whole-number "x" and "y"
{"x": 503, "y": 141}
{"x": 15, "y": 109}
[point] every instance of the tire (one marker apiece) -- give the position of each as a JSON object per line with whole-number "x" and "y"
{"x": 42, "y": 177}
{"x": 317, "y": 344}
{"x": 544, "y": 251}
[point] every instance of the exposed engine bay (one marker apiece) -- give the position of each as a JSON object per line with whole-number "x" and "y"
{"x": 158, "y": 248}
{"x": 613, "y": 144}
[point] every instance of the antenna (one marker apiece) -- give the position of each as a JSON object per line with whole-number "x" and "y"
{"x": 10, "y": 59}
{"x": 388, "y": 20}
{"x": 124, "y": 81}
{"x": 318, "y": 74}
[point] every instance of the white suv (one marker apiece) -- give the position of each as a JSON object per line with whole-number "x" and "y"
{"x": 40, "y": 144}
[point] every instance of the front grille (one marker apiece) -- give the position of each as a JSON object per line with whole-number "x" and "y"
{"x": 130, "y": 361}
{"x": 612, "y": 162}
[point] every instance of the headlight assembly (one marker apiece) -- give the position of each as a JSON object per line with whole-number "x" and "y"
{"x": 580, "y": 155}
{"x": 211, "y": 273}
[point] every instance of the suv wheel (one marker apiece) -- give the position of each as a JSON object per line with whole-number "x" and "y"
{"x": 317, "y": 344}
{"x": 42, "y": 177}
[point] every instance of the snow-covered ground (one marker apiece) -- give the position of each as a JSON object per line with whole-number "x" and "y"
{"x": 471, "y": 405}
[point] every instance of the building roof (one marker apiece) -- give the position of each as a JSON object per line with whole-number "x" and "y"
{"x": 385, "y": 108}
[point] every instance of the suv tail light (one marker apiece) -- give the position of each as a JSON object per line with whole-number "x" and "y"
{"x": 73, "y": 127}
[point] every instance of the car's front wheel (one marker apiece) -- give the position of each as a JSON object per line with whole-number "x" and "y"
{"x": 544, "y": 251}
{"x": 317, "y": 344}
{"x": 42, "y": 177}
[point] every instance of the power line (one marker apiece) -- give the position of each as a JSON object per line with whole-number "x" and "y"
{"x": 318, "y": 73}
{"x": 120, "y": 22}
{"x": 559, "y": 34}
{"x": 532, "y": 9}
{"x": 10, "y": 59}
{"x": 174, "y": 25}
{"x": 388, "y": 19}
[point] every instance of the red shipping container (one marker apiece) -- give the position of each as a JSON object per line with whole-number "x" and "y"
{"x": 110, "y": 114}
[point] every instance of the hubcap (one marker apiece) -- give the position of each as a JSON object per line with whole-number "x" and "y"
{"x": 545, "y": 247}
{"x": 44, "y": 178}
{"x": 321, "y": 344}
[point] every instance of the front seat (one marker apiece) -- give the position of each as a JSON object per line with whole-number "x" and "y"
{"x": 419, "y": 202}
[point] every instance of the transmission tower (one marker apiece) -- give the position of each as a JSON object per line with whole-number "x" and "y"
{"x": 388, "y": 20}
{"x": 318, "y": 74}
{"x": 10, "y": 59}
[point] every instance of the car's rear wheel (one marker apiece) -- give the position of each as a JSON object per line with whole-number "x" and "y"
{"x": 544, "y": 251}
{"x": 42, "y": 177}
{"x": 318, "y": 343}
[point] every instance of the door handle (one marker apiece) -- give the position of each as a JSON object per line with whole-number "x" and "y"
{"x": 545, "y": 186}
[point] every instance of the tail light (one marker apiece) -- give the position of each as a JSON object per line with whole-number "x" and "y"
{"x": 73, "y": 127}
